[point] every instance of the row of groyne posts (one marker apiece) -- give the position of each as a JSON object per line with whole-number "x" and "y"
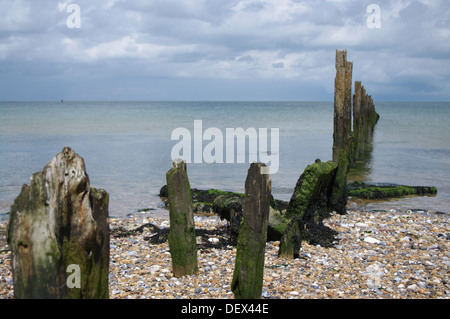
{"x": 348, "y": 144}
{"x": 59, "y": 235}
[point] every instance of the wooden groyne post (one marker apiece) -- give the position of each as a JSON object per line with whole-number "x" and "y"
{"x": 59, "y": 234}
{"x": 364, "y": 120}
{"x": 363, "y": 112}
{"x": 342, "y": 134}
{"x": 248, "y": 273}
{"x": 342, "y": 103}
{"x": 182, "y": 239}
{"x": 349, "y": 146}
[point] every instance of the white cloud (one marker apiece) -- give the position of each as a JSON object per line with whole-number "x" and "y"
{"x": 16, "y": 15}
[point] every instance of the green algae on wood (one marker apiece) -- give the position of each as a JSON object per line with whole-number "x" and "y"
{"x": 309, "y": 205}
{"x": 277, "y": 225}
{"x": 384, "y": 191}
{"x": 290, "y": 242}
{"x": 339, "y": 196}
{"x": 182, "y": 239}
{"x": 56, "y": 222}
{"x": 248, "y": 273}
{"x": 316, "y": 180}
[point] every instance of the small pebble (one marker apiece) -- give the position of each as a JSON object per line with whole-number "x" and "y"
{"x": 371, "y": 240}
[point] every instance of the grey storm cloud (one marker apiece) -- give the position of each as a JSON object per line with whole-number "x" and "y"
{"x": 124, "y": 45}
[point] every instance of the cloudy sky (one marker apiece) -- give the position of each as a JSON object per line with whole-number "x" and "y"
{"x": 221, "y": 49}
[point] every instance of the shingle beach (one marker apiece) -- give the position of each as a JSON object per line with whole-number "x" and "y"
{"x": 388, "y": 255}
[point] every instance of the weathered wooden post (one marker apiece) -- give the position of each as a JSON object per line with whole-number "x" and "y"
{"x": 249, "y": 266}
{"x": 358, "y": 136}
{"x": 347, "y": 120}
{"x": 364, "y": 120}
{"x": 342, "y": 135}
{"x": 291, "y": 240}
{"x": 59, "y": 234}
{"x": 372, "y": 118}
{"x": 342, "y": 103}
{"x": 182, "y": 239}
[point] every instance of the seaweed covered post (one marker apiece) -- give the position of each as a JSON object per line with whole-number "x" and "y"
{"x": 59, "y": 234}
{"x": 309, "y": 205}
{"x": 182, "y": 240}
{"x": 249, "y": 267}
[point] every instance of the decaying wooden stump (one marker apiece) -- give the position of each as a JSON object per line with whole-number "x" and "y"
{"x": 182, "y": 239}
{"x": 291, "y": 240}
{"x": 310, "y": 204}
{"x": 249, "y": 266}
{"x": 59, "y": 235}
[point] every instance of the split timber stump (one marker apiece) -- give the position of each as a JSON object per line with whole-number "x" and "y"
{"x": 59, "y": 235}
{"x": 182, "y": 240}
{"x": 249, "y": 266}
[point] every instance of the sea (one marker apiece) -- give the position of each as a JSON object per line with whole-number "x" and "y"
{"x": 127, "y": 147}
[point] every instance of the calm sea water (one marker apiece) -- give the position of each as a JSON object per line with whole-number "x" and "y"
{"x": 127, "y": 146}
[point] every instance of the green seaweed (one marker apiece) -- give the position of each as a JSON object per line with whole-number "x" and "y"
{"x": 309, "y": 205}
{"x": 384, "y": 191}
{"x": 312, "y": 182}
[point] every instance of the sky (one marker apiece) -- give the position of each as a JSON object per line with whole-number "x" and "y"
{"x": 222, "y": 49}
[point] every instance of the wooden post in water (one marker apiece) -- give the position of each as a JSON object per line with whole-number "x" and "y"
{"x": 347, "y": 120}
{"x": 342, "y": 103}
{"x": 364, "y": 120}
{"x": 372, "y": 118}
{"x": 349, "y": 147}
{"x": 249, "y": 267}
{"x": 59, "y": 234}
{"x": 182, "y": 239}
{"x": 358, "y": 136}
{"x": 342, "y": 135}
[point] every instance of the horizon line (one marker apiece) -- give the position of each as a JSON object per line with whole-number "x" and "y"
{"x": 212, "y": 100}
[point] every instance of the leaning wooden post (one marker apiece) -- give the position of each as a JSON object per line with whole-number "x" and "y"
{"x": 59, "y": 234}
{"x": 182, "y": 240}
{"x": 249, "y": 266}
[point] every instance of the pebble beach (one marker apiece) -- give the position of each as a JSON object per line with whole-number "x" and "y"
{"x": 378, "y": 255}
